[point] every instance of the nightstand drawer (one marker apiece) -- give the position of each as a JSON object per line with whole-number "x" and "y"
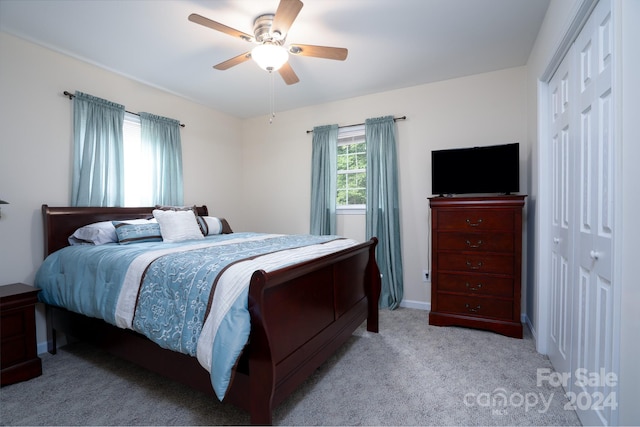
{"x": 476, "y": 242}
{"x": 480, "y": 263}
{"x": 475, "y": 220}
{"x": 13, "y": 351}
{"x": 13, "y": 324}
{"x": 475, "y": 306}
{"x": 480, "y": 284}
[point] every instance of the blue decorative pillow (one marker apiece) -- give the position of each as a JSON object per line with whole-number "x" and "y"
{"x": 135, "y": 233}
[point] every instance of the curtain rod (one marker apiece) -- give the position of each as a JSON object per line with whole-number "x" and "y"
{"x": 71, "y": 96}
{"x": 395, "y": 119}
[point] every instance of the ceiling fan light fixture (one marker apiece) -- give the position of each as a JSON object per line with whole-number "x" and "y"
{"x": 270, "y": 30}
{"x": 269, "y": 57}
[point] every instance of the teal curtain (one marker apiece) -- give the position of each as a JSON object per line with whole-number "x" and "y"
{"x": 98, "y": 161}
{"x": 323, "y": 179}
{"x": 160, "y": 137}
{"x": 383, "y": 213}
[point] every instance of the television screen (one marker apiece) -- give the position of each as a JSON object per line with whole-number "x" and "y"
{"x": 491, "y": 169}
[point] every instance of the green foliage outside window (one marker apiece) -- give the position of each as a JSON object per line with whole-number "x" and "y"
{"x": 352, "y": 174}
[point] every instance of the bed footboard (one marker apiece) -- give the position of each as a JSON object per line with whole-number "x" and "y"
{"x": 299, "y": 317}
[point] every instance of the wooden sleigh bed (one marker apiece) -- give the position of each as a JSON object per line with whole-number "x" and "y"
{"x": 333, "y": 294}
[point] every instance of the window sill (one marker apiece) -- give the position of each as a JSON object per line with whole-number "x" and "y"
{"x": 351, "y": 211}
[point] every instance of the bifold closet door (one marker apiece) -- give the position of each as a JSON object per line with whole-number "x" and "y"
{"x": 562, "y": 152}
{"x": 581, "y": 336}
{"x": 592, "y": 333}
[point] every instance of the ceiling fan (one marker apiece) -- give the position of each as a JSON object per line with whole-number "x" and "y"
{"x": 270, "y": 33}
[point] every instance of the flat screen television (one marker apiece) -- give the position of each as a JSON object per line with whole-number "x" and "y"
{"x": 490, "y": 169}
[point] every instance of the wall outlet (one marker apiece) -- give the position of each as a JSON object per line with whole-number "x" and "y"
{"x": 426, "y": 277}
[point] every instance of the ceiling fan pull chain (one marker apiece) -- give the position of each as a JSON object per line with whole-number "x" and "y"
{"x": 272, "y": 98}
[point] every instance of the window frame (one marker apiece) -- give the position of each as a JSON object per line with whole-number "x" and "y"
{"x": 346, "y": 136}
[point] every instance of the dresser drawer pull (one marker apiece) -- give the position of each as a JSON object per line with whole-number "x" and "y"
{"x": 472, "y": 287}
{"x": 472, "y": 309}
{"x": 474, "y": 245}
{"x": 474, "y": 224}
{"x": 474, "y": 267}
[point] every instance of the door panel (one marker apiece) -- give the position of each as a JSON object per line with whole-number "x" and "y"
{"x": 560, "y": 244}
{"x": 593, "y": 341}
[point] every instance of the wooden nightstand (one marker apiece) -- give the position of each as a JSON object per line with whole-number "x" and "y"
{"x": 19, "y": 359}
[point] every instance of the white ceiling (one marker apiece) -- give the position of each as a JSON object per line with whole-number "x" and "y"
{"x": 392, "y": 44}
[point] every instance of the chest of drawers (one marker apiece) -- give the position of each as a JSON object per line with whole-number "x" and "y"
{"x": 477, "y": 262}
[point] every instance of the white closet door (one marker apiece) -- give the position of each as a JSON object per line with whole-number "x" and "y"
{"x": 593, "y": 317}
{"x": 581, "y": 138}
{"x": 561, "y": 139}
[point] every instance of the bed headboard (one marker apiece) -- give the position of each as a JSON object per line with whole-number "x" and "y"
{"x": 61, "y": 222}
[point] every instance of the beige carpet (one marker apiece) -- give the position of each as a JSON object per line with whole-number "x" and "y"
{"x": 408, "y": 374}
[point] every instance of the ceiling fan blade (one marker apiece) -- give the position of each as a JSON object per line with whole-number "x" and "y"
{"x": 288, "y": 75}
{"x": 199, "y": 19}
{"x": 285, "y": 15}
{"x": 337, "y": 53}
{"x": 233, "y": 61}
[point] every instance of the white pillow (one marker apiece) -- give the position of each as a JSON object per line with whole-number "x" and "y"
{"x": 177, "y": 226}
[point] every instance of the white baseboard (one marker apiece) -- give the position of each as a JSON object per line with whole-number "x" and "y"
{"x": 42, "y": 347}
{"x": 527, "y": 321}
{"x": 420, "y": 305}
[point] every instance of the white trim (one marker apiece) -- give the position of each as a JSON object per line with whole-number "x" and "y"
{"x": 542, "y": 271}
{"x": 351, "y": 210}
{"x": 43, "y": 347}
{"x": 529, "y": 324}
{"x": 580, "y": 18}
{"x": 350, "y": 131}
{"x": 420, "y": 305}
{"x": 618, "y": 197}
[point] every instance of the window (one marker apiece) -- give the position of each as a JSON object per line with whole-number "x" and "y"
{"x": 351, "y": 169}
{"x": 137, "y": 167}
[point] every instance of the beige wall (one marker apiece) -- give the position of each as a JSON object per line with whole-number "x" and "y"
{"x": 481, "y": 109}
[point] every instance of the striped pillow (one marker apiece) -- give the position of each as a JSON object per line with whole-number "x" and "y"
{"x": 135, "y": 233}
{"x": 212, "y": 225}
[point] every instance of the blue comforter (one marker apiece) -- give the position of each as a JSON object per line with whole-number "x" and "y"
{"x": 171, "y": 292}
